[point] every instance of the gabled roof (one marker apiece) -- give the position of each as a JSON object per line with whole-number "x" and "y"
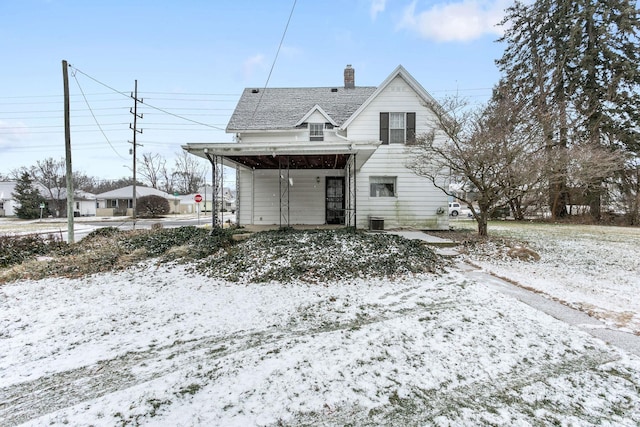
{"x": 319, "y": 110}
{"x": 61, "y": 193}
{"x": 282, "y": 108}
{"x": 404, "y": 74}
{"x": 127, "y": 193}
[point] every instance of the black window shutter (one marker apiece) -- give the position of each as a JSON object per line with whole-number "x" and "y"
{"x": 411, "y": 128}
{"x": 384, "y": 128}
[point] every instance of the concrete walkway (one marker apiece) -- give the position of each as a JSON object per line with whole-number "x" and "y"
{"x": 581, "y": 320}
{"x": 624, "y": 340}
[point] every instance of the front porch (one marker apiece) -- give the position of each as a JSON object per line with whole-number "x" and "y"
{"x": 324, "y": 175}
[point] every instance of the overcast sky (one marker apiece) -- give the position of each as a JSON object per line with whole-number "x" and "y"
{"x": 192, "y": 59}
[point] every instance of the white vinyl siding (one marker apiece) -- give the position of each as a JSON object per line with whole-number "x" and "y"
{"x": 417, "y": 200}
{"x": 306, "y": 196}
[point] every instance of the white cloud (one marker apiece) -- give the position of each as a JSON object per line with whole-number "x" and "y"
{"x": 462, "y": 21}
{"x": 377, "y": 6}
{"x": 250, "y": 65}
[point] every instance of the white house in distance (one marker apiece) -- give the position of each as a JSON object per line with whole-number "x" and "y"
{"x": 119, "y": 202}
{"x": 84, "y": 204}
{"x": 330, "y": 155}
{"x": 8, "y": 205}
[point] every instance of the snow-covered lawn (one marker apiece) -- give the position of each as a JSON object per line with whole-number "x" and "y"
{"x": 160, "y": 345}
{"x": 593, "y": 268}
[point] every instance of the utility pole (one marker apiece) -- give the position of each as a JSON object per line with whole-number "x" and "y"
{"x": 67, "y": 151}
{"x": 135, "y": 129}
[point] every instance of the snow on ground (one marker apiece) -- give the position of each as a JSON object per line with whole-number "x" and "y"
{"x": 160, "y": 345}
{"x": 593, "y": 268}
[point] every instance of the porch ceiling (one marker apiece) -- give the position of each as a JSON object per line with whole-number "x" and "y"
{"x": 308, "y": 155}
{"x": 328, "y": 161}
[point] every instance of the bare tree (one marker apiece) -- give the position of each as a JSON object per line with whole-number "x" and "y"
{"x": 50, "y": 174}
{"x": 586, "y": 165}
{"x": 151, "y": 168}
{"x": 489, "y": 150}
{"x": 82, "y": 181}
{"x": 188, "y": 173}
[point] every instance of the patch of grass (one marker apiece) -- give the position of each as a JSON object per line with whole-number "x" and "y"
{"x": 190, "y": 389}
{"x": 18, "y": 249}
{"x": 286, "y": 255}
{"x": 105, "y": 249}
{"x": 318, "y": 256}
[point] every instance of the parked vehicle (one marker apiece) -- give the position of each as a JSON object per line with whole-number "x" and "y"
{"x": 455, "y": 209}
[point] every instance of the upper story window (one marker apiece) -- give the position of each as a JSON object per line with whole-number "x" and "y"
{"x": 397, "y": 128}
{"x": 316, "y": 131}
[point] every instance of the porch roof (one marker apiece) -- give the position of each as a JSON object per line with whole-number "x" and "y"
{"x": 302, "y": 155}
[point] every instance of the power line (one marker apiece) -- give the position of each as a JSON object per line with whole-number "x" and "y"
{"x": 274, "y": 59}
{"x": 181, "y": 117}
{"x": 58, "y": 126}
{"x": 149, "y": 105}
{"x": 94, "y": 117}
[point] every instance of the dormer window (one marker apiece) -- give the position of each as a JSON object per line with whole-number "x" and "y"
{"x": 316, "y": 131}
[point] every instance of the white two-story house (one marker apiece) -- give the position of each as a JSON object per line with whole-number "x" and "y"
{"x": 330, "y": 155}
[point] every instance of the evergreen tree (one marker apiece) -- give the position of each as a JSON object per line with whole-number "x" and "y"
{"x": 575, "y": 63}
{"x": 28, "y": 197}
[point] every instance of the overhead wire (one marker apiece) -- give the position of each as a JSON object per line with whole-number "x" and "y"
{"x": 284, "y": 33}
{"x": 148, "y": 105}
{"x": 94, "y": 117}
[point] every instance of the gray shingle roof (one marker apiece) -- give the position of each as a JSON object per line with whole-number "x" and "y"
{"x": 282, "y": 108}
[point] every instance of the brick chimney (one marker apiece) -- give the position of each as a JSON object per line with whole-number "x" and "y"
{"x": 349, "y": 77}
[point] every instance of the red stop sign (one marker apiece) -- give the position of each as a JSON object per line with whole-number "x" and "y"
{"x": 198, "y": 198}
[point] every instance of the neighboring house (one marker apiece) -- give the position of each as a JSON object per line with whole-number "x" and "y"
{"x": 8, "y": 204}
{"x": 55, "y": 200}
{"x": 330, "y": 155}
{"x": 119, "y": 202}
{"x": 84, "y": 203}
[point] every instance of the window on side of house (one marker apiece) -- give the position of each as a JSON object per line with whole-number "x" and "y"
{"x": 316, "y": 131}
{"x": 382, "y": 186}
{"x": 397, "y": 128}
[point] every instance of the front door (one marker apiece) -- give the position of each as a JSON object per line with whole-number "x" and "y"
{"x": 335, "y": 200}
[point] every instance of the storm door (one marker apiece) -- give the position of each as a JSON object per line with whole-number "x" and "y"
{"x": 335, "y": 200}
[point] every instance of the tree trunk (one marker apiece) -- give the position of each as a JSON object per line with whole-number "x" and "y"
{"x": 482, "y": 225}
{"x": 595, "y": 202}
{"x": 483, "y": 218}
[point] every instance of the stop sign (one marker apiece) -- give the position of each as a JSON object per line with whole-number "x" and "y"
{"x": 198, "y": 198}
